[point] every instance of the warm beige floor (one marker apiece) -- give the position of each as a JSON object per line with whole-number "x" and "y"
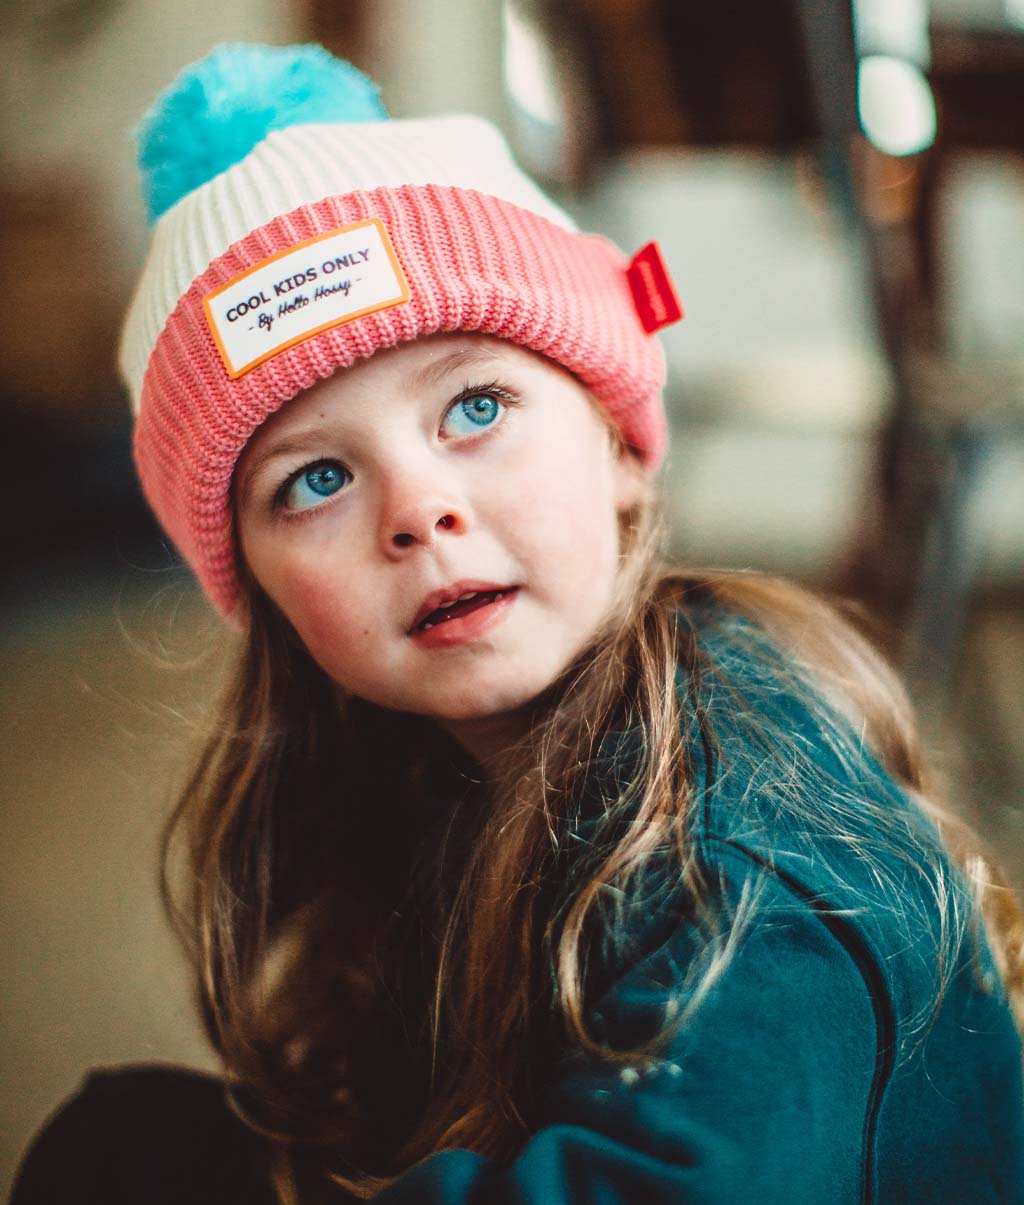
{"x": 94, "y": 730}
{"x": 96, "y": 712}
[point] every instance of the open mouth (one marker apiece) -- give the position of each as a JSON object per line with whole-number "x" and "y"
{"x": 471, "y": 601}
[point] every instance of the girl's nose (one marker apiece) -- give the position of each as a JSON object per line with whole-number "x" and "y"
{"x": 416, "y": 514}
{"x": 405, "y": 539}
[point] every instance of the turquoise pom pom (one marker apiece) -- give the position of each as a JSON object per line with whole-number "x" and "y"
{"x": 219, "y": 108}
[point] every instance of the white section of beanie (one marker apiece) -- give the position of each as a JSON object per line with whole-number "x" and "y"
{"x": 300, "y": 166}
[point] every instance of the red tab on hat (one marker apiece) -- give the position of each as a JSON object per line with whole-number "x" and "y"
{"x": 653, "y": 295}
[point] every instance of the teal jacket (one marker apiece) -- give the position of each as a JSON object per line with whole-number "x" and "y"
{"x": 826, "y": 1064}
{"x": 816, "y": 1070}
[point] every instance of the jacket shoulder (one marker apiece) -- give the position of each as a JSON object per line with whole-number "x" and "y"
{"x": 146, "y": 1132}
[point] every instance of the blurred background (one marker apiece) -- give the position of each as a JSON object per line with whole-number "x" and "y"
{"x": 837, "y": 188}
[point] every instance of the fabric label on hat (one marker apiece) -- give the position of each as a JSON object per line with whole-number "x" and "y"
{"x": 313, "y": 285}
{"x": 653, "y": 295}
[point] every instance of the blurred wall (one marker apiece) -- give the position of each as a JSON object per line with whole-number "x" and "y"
{"x": 71, "y": 95}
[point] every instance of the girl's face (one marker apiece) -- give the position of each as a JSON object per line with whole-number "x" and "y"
{"x": 439, "y": 524}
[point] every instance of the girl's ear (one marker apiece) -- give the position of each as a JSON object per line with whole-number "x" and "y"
{"x": 632, "y": 484}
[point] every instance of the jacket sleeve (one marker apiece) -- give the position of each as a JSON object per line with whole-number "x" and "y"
{"x": 765, "y": 1093}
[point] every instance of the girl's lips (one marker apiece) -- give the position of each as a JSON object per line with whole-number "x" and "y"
{"x": 450, "y": 595}
{"x": 468, "y": 626}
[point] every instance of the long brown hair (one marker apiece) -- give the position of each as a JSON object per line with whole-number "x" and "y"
{"x": 374, "y": 1003}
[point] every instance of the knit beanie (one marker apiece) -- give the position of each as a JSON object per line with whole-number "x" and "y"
{"x": 296, "y": 228}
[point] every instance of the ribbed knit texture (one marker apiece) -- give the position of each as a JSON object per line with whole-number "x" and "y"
{"x": 300, "y": 166}
{"x": 473, "y": 263}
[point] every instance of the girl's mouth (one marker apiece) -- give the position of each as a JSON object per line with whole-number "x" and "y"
{"x": 465, "y": 617}
{"x": 471, "y": 601}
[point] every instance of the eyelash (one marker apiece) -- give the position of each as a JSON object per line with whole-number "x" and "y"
{"x": 494, "y": 389}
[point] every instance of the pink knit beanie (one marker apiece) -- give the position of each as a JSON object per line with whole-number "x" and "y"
{"x": 297, "y": 229}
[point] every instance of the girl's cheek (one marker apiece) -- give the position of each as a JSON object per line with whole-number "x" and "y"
{"x": 314, "y": 597}
{"x": 566, "y": 493}
{"x": 320, "y": 598}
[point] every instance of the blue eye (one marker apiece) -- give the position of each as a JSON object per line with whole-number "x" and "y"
{"x": 311, "y": 485}
{"x": 469, "y": 414}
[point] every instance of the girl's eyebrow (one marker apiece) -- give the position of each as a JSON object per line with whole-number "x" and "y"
{"x": 301, "y": 444}
{"x": 435, "y": 371}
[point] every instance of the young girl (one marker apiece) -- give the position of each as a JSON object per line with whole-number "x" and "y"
{"x": 516, "y": 867}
